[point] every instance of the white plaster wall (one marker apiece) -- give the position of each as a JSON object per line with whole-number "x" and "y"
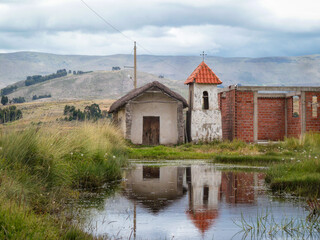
{"x": 167, "y": 186}
{"x": 122, "y": 121}
{"x": 198, "y": 92}
{"x": 205, "y": 124}
{"x": 155, "y": 104}
{"x": 201, "y": 177}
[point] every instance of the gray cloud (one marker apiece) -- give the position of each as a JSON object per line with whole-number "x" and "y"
{"x": 226, "y": 28}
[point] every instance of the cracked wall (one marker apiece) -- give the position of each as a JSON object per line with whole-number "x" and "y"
{"x": 205, "y": 124}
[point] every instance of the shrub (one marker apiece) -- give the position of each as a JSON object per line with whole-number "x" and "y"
{"x": 91, "y": 112}
{"x": 10, "y": 114}
{"x": 18, "y": 100}
{"x": 39, "y": 78}
{"x": 4, "y": 100}
{"x": 35, "y": 97}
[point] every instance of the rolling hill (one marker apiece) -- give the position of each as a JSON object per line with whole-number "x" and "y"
{"x": 94, "y": 85}
{"x": 15, "y": 67}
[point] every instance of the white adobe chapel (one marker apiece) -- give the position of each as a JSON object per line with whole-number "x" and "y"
{"x": 153, "y": 114}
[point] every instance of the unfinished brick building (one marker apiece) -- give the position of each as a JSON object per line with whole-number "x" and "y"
{"x": 259, "y": 113}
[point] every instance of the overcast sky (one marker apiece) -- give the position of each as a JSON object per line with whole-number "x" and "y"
{"x": 227, "y": 28}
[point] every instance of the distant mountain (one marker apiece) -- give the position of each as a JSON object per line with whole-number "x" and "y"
{"x": 94, "y": 85}
{"x": 303, "y": 70}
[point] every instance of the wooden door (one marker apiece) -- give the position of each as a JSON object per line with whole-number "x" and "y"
{"x": 151, "y": 131}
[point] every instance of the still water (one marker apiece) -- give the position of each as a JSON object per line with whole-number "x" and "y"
{"x": 185, "y": 201}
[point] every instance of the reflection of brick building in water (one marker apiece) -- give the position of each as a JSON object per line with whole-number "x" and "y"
{"x": 239, "y": 187}
{"x": 204, "y": 187}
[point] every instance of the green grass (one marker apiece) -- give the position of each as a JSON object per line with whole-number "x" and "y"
{"x": 302, "y": 174}
{"x": 165, "y": 152}
{"x": 20, "y": 222}
{"x": 293, "y": 164}
{"x": 41, "y": 168}
{"x": 258, "y": 160}
{"x": 189, "y": 150}
{"x": 301, "y": 178}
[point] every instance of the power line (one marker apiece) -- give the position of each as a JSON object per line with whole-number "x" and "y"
{"x": 105, "y": 21}
{"x": 127, "y": 37}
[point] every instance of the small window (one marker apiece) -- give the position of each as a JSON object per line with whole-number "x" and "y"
{"x": 314, "y": 106}
{"x": 205, "y": 100}
{"x": 205, "y": 195}
{"x": 295, "y": 106}
{"x": 151, "y": 172}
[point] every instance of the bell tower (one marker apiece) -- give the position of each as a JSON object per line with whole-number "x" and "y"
{"x": 204, "y": 116}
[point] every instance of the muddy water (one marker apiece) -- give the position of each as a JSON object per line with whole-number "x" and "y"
{"x": 185, "y": 201}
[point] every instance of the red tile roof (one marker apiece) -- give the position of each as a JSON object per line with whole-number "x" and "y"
{"x": 203, "y": 220}
{"x": 203, "y": 74}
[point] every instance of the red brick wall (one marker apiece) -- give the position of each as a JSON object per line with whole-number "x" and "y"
{"x": 294, "y": 123}
{"x": 271, "y": 119}
{"x": 244, "y": 116}
{"x": 227, "y": 107}
{"x": 237, "y": 116}
{"x": 238, "y": 187}
{"x": 312, "y": 123}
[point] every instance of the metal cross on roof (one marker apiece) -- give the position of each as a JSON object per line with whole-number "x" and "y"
{"x": 203, "y": 55}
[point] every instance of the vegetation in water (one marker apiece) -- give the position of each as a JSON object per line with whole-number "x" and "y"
{"x": 265, "y": 226}
{"x": 302, "y": 174}
{"x": 42, "y": 168}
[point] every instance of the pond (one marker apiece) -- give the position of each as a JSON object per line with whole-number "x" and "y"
{"x": 190, "y": 200}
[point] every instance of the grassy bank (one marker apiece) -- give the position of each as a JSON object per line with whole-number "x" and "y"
{"x": 41, "y": 168}
{"x": 191, "y": 151}
{"x": 302, "y": 175}
{"x": 234, "y": 152}
{"x": 294, "y": 164}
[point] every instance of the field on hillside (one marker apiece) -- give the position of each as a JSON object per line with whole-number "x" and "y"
{"x": 49, "y": 112}
{"x": 93, "y": 85}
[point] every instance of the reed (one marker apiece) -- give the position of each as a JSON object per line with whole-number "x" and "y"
{"x": 43, "y": 167}
{"x": 265, "y": 226}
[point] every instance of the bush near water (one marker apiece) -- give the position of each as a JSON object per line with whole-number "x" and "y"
{"x": 42, "y": 168}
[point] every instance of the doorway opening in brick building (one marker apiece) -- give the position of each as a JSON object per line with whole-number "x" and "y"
{"x": 151, "y": 131}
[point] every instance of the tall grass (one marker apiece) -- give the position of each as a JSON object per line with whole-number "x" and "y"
{"x": 42, "y": 167}
{"x": 265, "y": 226}
{"x": 248, "y": 159}
{"x": 302, "y": 174}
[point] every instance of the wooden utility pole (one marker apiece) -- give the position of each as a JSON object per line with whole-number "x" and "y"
{"x": 135, "y": 65}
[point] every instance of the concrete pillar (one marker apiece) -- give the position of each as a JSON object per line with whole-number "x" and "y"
{"x": 255, "y": 116}
{"x": 286, "y": 117}
{"x": 303, "y": 113}
{"x": 128, "y": 112}
{"x": 180, "y": 123}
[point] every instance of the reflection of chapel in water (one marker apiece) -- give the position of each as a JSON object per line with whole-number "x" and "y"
{"x": 155, "y": 188}
{"x": 204, "y": 195}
